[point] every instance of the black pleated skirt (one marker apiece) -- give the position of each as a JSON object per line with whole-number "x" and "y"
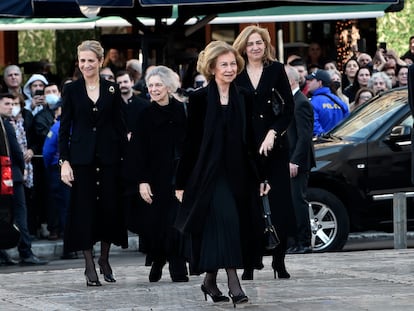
{"x": 221, "y": 246}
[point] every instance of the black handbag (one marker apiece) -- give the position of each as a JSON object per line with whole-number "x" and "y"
{"x": 271, "y": 238}
{"x": 277, "y": 102}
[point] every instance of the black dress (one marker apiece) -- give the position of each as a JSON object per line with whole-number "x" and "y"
{"x": 221, "y": 247}
{"x": 92, "y": 137}
{"x": 219, "y": 174}
{"x": 157, "y": 146}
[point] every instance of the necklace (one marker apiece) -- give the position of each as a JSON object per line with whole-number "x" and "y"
{"x": 91, "y": 87}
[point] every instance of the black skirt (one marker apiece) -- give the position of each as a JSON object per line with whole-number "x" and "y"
{"x": 221, "y": 246}
{"x": 95, "y": 212}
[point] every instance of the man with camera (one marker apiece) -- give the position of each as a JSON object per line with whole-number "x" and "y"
{"x": 34, "y": 92}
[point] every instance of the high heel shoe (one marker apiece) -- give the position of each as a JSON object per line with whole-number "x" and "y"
{"x": 216, "y": 298}
{"x": 90, "y": 282}
{"x": 242, "y": 298}
{"x": 281, "y": 274}
{"x": 108, "y": 276}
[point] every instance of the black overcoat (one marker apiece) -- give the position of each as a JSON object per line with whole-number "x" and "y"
{"x": 199, "y": 164}
{"x": 157, "y": 147}
{"x": 92, "y": 137}
{"x": 277, "y": 164}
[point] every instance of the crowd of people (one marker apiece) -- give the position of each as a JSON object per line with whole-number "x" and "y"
{"x": 363, "y": 76}
{"x": 185, "y": 167}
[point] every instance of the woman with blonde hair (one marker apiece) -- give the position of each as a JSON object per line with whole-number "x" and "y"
{"x": 265, "y": 78}
{"x": 92, "y": 140}
{"x": 218, "y": 173}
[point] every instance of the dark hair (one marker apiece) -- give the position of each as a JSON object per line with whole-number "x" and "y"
{"x": 297, "y": 62}
{"x": 7, "y": 95}
{"x": 123, "y": 72}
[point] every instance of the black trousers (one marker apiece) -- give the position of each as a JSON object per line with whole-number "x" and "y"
{"x": 299, "y": 185}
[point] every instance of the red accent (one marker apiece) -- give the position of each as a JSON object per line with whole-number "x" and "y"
{"x": 6, "y": 186}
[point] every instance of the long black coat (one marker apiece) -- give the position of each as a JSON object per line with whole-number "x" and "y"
{"x": 277, "y": 164}
{"x": 157, "y": 146}
{"x": 92, "y": 137}
{"x": 199, "y": 163}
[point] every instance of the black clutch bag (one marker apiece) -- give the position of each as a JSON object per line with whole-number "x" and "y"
{"x": 271, "y": 238}
{"x": 277, "y": 102}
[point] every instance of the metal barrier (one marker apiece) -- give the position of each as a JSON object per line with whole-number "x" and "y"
{"x": 399, "y": 214}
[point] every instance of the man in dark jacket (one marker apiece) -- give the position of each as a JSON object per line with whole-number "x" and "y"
{"x": 302, "y": 159}
{"x": 19, "y": 203}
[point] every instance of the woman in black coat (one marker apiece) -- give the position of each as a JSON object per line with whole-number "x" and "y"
{"x": 92, "y": 140}
{"x": 218, "y": 173}
{"x": 157, "y": 146}
{"x": 261, "y": 75}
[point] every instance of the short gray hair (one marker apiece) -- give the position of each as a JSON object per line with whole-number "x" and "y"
{"x": 170, "y": 78}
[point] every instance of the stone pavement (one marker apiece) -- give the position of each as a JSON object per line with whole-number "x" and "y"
{"x": 380, "y": 280}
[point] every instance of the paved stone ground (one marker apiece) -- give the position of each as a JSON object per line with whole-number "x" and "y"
{"x": 368, "y": 280}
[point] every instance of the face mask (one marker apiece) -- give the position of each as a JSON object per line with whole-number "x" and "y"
{"x": 51, "y": 100}
{"x": 15, "y": 110}
{"x": 336, "y": 84}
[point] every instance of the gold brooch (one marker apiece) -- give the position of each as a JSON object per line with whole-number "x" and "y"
{"x": 111, "y": 89}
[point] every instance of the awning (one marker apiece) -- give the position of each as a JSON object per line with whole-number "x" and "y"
{"x": 32, "y": 8}
{"x": 204, "y": 2}
{"x": 303, "y": 13}
{"x": 276, "y": 14}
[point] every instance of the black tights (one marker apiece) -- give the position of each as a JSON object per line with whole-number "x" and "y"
{"x": 210, "y": 282}
{"x": 90, "y": 264}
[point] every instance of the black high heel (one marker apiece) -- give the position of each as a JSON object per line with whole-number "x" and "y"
{"x": 108, "y": 277}
{"x": 281, "y": 274}
{"x": 89, "y": 282}
{"x": 242, "y": 298}
{"x": 216, "y": 298}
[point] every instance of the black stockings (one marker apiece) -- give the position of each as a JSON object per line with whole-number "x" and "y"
{"x": 90, "y": 271}
{"x": 233, "y": 282}
{"x": 210, "y": 282}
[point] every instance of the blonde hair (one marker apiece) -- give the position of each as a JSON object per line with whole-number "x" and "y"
{"x": 240, "y": 43}
{"x": 93, "y": 46}
{"x": 208, "y": 57}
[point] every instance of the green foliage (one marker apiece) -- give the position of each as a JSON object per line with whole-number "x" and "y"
{"x": 397, "y": 28}
{"x": 56, "y": 46}
{"x": 35, "y": 45}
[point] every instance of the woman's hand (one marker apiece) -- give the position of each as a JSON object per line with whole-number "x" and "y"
{"x": 145, "y": 192}
{"x": 179, "y": 195}
{"x": 264, "y": 188}
{"x": 66, "y": 173}
{"x": 268, "y": 143}
{"x": 28, "y": 155}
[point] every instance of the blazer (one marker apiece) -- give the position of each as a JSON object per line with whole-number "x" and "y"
{"x": 300, "y": 136}
{"x": 16, "y": 154}
{"x": 89, "y": 130}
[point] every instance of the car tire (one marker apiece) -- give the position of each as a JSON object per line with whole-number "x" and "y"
{"x": 328, "y": 219}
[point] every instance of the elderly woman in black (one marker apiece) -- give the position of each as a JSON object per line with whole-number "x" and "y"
{"x": 218, "y": 172}
{"x": 157, "y": 146}
{"x": 92, "y": 138}
{"x": 261, "y": 75}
